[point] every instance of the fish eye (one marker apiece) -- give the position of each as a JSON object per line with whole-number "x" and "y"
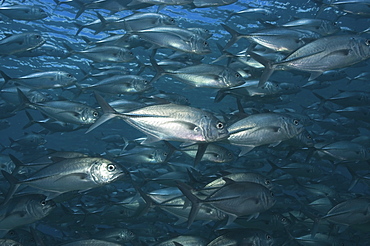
{"x": 268, "y": 237}
{"x": 220, "y": 125}
{"x": 237, "y": 75}
{"x": 205, "y": 43}
{"x": 95, "y": 114}
{"x": 37, "y": 36}
{"x": 172, "y": 20}
{"x": 69, "y": 75}
{"x": 272, "y": 194}
{"x": 309, "y": 136}
{"x": 296, "y": 122}
{"x": 111, "y": 167}
{"x": 43, "y": 202}
{"x": 367, "y": 42}
{"x": 267, "y": 182}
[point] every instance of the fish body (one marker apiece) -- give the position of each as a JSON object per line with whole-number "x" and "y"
{"x": 20, "y": 42}
{"x": 65, "y": 111}
{"x": 261, "y": 129}
{"x": 121, "y": 84}
{"x": 175, "y": 38}
{"x": 23, "y": 12}
{"x": 70, "y": 174}
{"x": 23, "y": 210}
{"x": 171, "y": 122}
{"x": 44, "y": 80}
{"x": 208, "y": 76}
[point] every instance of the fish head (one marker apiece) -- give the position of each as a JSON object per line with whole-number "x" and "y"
{"x": 329, "y": 27}
{"x": 212, "y": 129}
{"x": 142, "y": 85}
{"x": 125, "y": 55}
{"x": 292, "y": 126}
{"x": 104, "y": 171}
{"x": 199, "y": 45}
{"x": 232, "y": 78}
{"x": 35, "y": 39}
{"x": 89, "y": 115}
{"x": 40, "y": 207}
{"x": 67, "y": 77}
{"x": 361, "y": 46}
{"x": 166, "y": 20}
{"x": 38, "y": 12}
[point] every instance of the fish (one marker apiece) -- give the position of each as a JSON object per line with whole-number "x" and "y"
{"x": 235, "y": 199}
{"x": 43, "y": 80}
{"x": 260, "y": 129}
{"x": 23, "y": 210}
{"x": 205, "y": 76}
{"x": 81, "y": 173}
{"x": 213, "y": 153}
{"x": 323, "y": 54}
{"x": 174, "y": 38}
{"x": 24, "y": 12}
{"x": 170, "y": 122}
{"x": 121, "y": 84}
{"x": 21, "y": 42}
{"x": 104, "y": 53}
{"x": 277, "y": 39}
{"x": 65, "y": 111}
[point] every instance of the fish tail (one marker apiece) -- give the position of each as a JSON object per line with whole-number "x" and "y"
{"x": 31, "y": 121}
{"x": 195, "y": 201}
{"x": 103, "y": 23}
{"x": 108, "y": 113}
{"x": 6, "y": 79}
{"x": 70, "y": 50}
{"x": 158, "y": 69}
{"x": 269, "y": 67}
{"x": 13, "y": 186}
{"x": 24, "y": 101}
{"x": 235, "y": 36}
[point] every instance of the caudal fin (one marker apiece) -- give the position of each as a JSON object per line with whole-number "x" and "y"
{"x": 108, "y": 113}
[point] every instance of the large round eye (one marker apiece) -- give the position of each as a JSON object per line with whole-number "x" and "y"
{"x": 268, "y": 237}
{"x": 111, "y": 167}
{"x": 43, "y": 202}
{"x": 69, "y": 75}
{"x": 367, "y": 42}
{"x": 95, "y": 114}
{"x": 237, "y": 75}
{"x": 205, "y": 43}
{"x": 267, "y": 182}
{"x": 296, "y": 122}
{"x": 220, "y": 125}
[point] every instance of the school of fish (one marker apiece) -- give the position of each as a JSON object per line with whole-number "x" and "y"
{"x": 184, "y": 123}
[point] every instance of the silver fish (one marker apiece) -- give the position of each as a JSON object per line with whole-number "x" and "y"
{"x": 169, "y": 122}
{"x": 68, "y": 175}
{"x": 23, "y": 12}
{"x": 208, "y": 76}
{"x": 350, "y": 212}
{"x": 121, "y": 84}
{"x": 65, "y": 111}
{"x": 175, "y": 38}
{"x": 23, "y": 210}
{"x": 235, "y": 199}
{"x": 20, "y": 42}
{"x": 260, "y": 129}
{"x": 277, "y": 39}
{"x": 43, "y": 80}
{"x": 321, "y": 55}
